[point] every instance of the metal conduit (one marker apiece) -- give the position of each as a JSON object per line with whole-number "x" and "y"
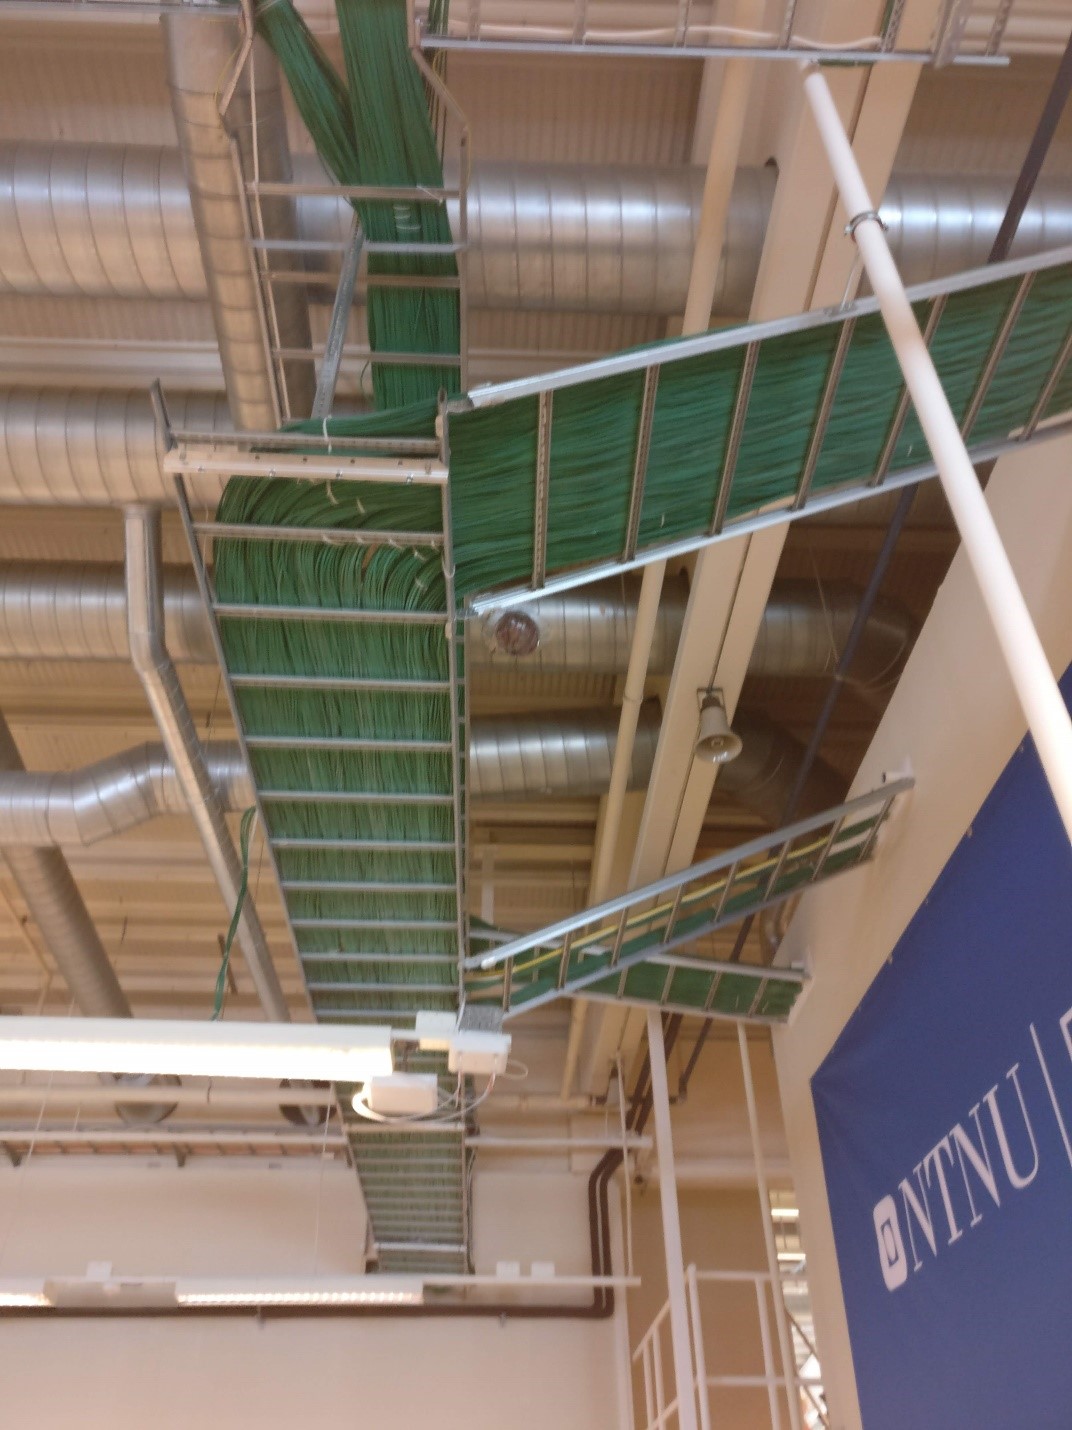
{"x": 148, "y": 653}
{"x": 201, "y": 54}
{"x": 99, "y": 220}
{"x": 74, "y": 611}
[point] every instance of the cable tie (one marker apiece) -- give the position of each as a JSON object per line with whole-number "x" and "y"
{"x": 332, "y": 498}
{"x": 327, "y": 439}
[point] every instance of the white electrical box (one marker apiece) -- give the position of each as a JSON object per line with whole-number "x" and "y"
{"x": 403, "y": 1095}
{"x": 483, "y": 1054}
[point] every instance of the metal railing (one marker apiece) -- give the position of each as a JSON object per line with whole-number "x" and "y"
{"x": 679, "y": 28}
{"x": 662, "y": 1397}
{"x": 278, "y": 262}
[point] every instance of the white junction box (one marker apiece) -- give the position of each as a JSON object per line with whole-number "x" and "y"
{"x": 403, "y": 1094}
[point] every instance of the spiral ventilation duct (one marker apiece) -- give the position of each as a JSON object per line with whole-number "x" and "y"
{"x": 571, "y": 754}
{"x": 66, "y": 610}
{"x": 200, "y": 54}
{"x": 48, "y": 890}
{"x": 78, "y": 612}
{"x": 98, "y": 220}
{"x": 560, "y": 754}
{"x": 80, "y": 448}
{"x": 108, "y": 797}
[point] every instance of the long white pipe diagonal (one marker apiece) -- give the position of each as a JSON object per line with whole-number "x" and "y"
{"x": 1036, "y": 687}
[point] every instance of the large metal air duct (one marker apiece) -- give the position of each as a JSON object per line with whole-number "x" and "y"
{"x": 98, "y": 220}
{"x": 201, "y": 53}
{"x": 563, "y": 754}
{"x": 570, "y": 754}
{"x": 48, "y": 890}
{"x": 111, "y": 796}
{"x": 69, "y": 611}
{"x": 160, "y": 681}
{"x": 82, "y": 448}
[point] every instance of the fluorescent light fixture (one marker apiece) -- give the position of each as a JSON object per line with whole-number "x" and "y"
{"x": 20, "y": 1294}
{"x": 300, "y": 1291}
{"x": 130, "y": 1293}
{"x": 295, "y": 1051}
{"x": 784, "y": 1214}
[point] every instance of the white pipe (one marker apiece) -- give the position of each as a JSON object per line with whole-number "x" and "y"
{"x": 781, "y": 1324}
{"x": 675, "y": 1258}
{"x": 1025, "y": 657}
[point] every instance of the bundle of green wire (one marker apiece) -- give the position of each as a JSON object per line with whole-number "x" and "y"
{"x": 351, "y": 576}
{"x": 594, "y": 432}
{"x": 375, "y": 129}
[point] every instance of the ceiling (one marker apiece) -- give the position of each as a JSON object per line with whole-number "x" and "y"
{"x": 149, "y": 891}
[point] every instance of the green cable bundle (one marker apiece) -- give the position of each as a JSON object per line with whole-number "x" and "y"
{"x": 350, "y": 576}
{"x": 378, "y": 132}
{"x": 493, "y": 450}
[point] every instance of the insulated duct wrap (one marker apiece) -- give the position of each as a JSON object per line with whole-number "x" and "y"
{"x": 100, "y": 220}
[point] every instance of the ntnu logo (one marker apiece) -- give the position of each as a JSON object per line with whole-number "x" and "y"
{"x": 958, "y": 1177}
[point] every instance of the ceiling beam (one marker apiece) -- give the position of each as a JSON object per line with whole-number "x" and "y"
{"x": 807, "y": 263}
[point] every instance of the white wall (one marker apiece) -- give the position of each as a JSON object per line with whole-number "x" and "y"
{"x": 954, "y": 719}
{"x": 242, "y": 1374}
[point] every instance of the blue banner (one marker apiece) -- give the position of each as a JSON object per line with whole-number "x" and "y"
{"x": 945, "y": 1121}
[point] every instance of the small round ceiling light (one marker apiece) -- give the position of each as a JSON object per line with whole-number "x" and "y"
{"x": 716, "y": 742}
{"x": 514, "y": 633}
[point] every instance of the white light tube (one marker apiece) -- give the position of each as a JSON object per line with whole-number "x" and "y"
{"x": 16, "y": 1294}
{"x": 295, "y": 1051}
{"x": 298, "y": 1291}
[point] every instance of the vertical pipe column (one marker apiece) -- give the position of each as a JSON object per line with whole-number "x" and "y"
{"x": 1025, "y": 658}
{"x": 675, "y": 1257}
{"x": 785, "y": 1340}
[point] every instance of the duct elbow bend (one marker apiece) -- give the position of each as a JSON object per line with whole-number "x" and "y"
{"x": 145, "y": 601}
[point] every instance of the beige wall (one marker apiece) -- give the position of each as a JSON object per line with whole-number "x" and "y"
{"x": 241, "y": 1374}
{"x": 954, "y": 722}
{"x": 720, "y": 1230}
